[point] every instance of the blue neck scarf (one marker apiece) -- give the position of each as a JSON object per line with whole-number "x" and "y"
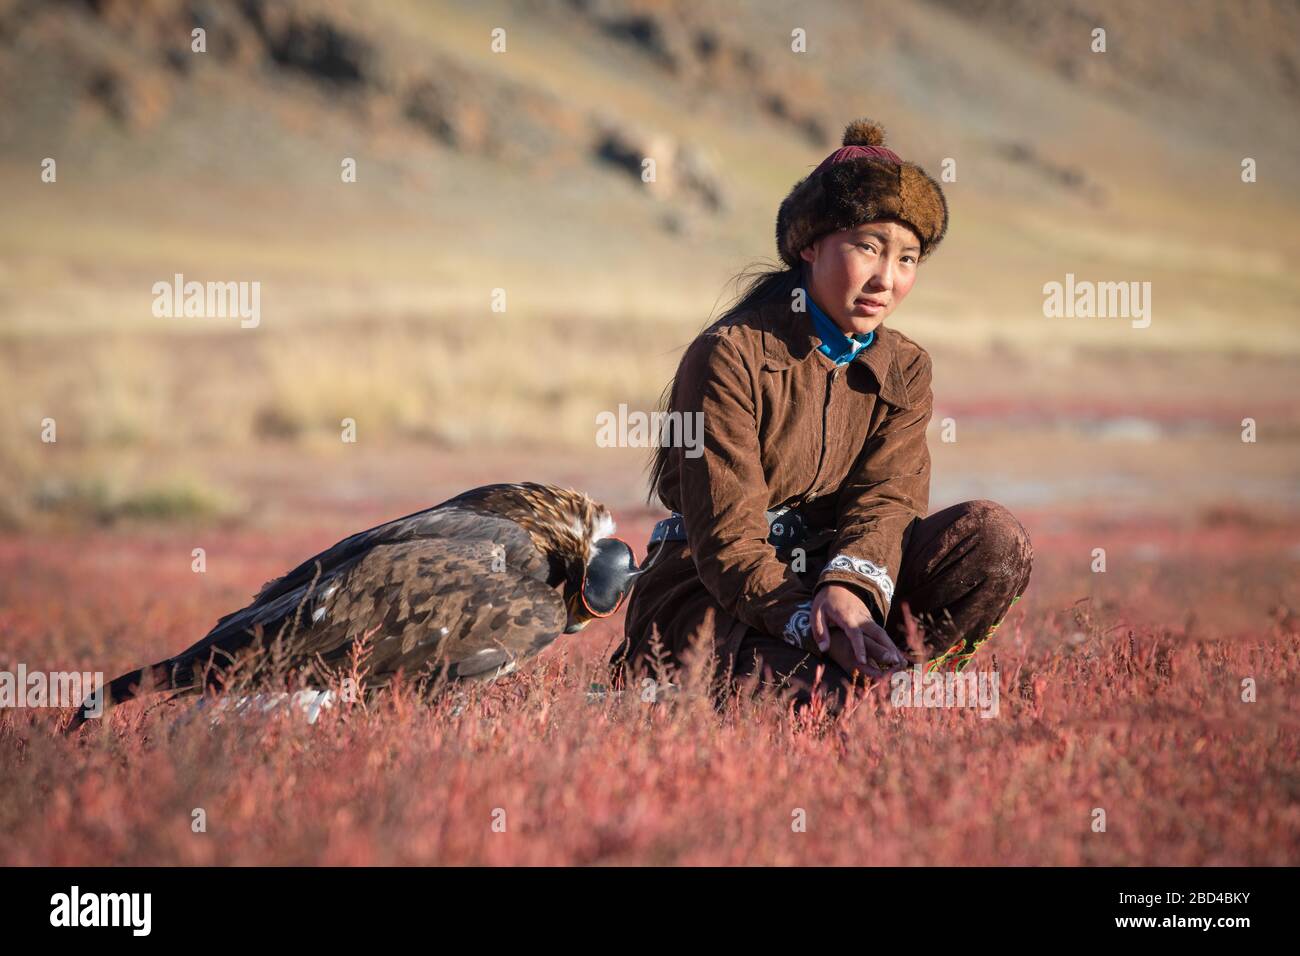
{"x": 836, "y": 346}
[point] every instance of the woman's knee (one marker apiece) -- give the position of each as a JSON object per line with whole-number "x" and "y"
{"x": 1002, "y": 543}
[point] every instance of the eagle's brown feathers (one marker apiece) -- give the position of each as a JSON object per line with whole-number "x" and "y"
{"x": 463, "y": 590}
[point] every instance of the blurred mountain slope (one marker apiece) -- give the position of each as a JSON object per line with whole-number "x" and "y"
{"x": 520, "y": 169}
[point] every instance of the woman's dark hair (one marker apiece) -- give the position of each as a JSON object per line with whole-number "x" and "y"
{"x": 758, "y": 284}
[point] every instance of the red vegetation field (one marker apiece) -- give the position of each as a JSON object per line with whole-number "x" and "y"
{"x": 1120, "y": 691}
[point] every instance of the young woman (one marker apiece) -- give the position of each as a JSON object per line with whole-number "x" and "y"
{"x": 799, "y": 537}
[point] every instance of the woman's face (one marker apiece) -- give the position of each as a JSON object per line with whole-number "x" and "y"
{"x": 859, "y": 276}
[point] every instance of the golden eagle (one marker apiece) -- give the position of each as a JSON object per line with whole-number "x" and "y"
{"x": 463, "y": 590}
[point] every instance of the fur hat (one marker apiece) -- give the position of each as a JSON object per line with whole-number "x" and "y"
{"x": 860, "y": 182}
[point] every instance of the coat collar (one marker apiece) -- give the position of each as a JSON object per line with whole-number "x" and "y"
{"x": 788, "y": 338}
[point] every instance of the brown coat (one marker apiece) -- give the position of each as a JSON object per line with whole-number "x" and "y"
{"x": 782, "y": 425}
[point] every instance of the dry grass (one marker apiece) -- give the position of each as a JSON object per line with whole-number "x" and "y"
{"x": 1122, "y": 693}
{"x": 129, "y": 406}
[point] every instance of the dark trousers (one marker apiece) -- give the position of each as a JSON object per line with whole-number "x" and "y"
{"x": 962, "y": 569}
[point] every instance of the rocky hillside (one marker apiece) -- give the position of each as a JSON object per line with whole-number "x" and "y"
{"x": 500, "y": 144}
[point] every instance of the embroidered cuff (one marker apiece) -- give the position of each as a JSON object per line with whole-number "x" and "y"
{"x": 798, "y": 629}
{"x": 874, "y": 574}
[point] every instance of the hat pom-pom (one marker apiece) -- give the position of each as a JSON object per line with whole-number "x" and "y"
{"x": 864, "y": 132}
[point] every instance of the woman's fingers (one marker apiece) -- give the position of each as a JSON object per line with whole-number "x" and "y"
{"x": 882, "y": 646}
{"x": 820, "y": 631}
{"x": 872, "y": 649}
{"x": 842, "y": 653}
{"x": 872, "y": 644}
{"x": 873, "y": 671}
{"x": 859, "y": 645}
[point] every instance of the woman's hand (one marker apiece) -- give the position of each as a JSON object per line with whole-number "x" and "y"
{"x": 844, "y": 630}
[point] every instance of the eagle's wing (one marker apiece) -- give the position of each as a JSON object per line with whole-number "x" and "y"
{"x": 461, "y": 605}
{"x": 439, "y": 522}
{"x": 448, "y": 605}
